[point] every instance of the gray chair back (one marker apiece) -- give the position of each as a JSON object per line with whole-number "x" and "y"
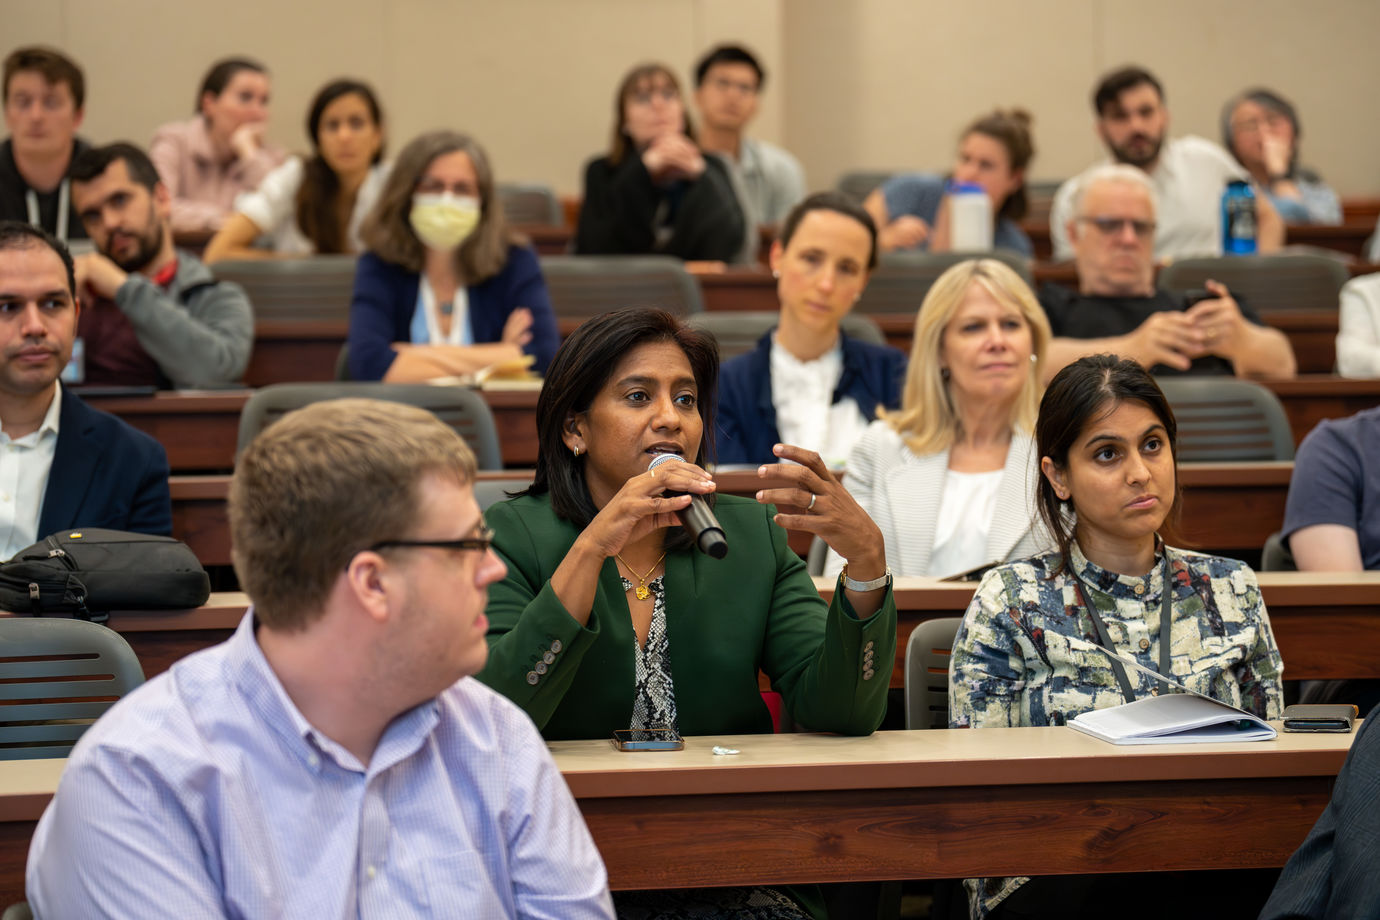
{"x": 529, "y": 203}
{"x": 859, "y": 183}
{"x": 737, "y": 332}
{"x": 1276, "y": 556}
{"x": 1295, "y": 281}
{"x": 928, "y": 653}
{"x": 902, "y": 280}
{"x": 585, "y": 286}
{"x": 1227, "y": 420}
{"x": 57, "y": 676}
{"x": 459, "y": 407}
{"x": 294, "y": 290}
{"x": 489, "y": 492}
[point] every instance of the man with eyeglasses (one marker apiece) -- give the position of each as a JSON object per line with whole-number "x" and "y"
{"x": 331, "y": 758}
{"x": 1189, "y": 173}
{"x": 767, "y": 180}
{"x": 1117, "y": 308}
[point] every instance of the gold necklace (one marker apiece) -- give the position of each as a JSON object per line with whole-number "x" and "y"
{"x": 643, "y": 592}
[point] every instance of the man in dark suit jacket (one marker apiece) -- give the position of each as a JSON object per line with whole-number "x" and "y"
{"x": 90, "y": 469}
{"x": 1332, "y": 874}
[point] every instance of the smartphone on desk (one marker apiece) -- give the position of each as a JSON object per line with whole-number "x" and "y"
{"x": 1331, "y": 717}
{"x": 647, "y": 739}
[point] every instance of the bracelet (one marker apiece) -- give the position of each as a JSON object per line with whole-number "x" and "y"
{"x": 852, "y": 584}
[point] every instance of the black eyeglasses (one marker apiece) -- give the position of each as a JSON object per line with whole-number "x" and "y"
{"x": 480, "y": 543}
{"x": 1108, "y": 226}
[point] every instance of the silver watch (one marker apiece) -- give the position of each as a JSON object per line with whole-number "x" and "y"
{"x": 852, "y": 584}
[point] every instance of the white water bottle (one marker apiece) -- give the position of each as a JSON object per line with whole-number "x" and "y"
{"x": 970, "y": 218}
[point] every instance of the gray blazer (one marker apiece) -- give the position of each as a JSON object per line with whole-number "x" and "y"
{"x": 902, "y": 492}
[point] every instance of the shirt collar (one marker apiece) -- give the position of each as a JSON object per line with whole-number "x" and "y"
{"x": 748, "y": 160}
{"x": 1116, "y": 584}
{"x": 53, "y": 416}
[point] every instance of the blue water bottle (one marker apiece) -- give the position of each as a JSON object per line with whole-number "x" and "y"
{"x": 1238, "y": 219}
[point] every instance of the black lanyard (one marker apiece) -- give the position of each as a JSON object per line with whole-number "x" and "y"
{"x": 1105, "y": 640}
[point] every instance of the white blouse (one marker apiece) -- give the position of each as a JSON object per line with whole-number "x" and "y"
{"x": 806, "y": 415}
{"x": 965, "y": 516}
{"x": 273, "y": 206}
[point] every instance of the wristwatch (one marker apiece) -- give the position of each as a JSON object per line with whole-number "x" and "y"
{"x": 852, "y": 584}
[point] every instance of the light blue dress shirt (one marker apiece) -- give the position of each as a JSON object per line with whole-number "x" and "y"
{"x": 206, "y": 793}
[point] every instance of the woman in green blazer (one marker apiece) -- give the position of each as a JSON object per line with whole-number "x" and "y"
{"x": 610, "y": 619}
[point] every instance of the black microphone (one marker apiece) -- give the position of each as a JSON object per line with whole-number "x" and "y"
{"x": 698, "y": 518}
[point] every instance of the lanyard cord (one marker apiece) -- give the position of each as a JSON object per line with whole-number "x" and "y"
{"x": 64, "y": 207}
{"x": 1104, "y": 639}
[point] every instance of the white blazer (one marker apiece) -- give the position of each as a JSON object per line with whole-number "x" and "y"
{"x": 902, "y": 491}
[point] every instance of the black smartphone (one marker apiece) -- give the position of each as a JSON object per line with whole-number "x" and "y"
{"x": 1197, "y": 296}
{"x": 1320, "y": 717}
{"x": 647, "y": 739}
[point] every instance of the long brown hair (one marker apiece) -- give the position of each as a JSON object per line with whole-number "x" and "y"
{"x": 388, "y": 234}
{"x": 316, "y": 197}
{"x": 640, "y": 76}
{"x": 1011, "y": 129}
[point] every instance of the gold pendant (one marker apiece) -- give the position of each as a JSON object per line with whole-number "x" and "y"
{"x": 643, "y": 592}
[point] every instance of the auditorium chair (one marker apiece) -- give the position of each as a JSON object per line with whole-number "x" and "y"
{"x": 859, "y": 183}
{"x": 459, "y": 407}
{"x": 737, "y": 332}
{"x": 1299, "y": 281}
{"x": 57, "y": 677}
{"x": 585, "y": 286}
{"x": 902, "y": 280}
{"x": 1223, "y": 419}
{"x": 489, "y": 492}
{"x": 529, "y": 203}
{"x": 294, "y": 290}
{"x": 927, "y": 672}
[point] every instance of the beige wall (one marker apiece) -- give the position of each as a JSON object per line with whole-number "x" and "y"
{"x": 882, "y": 83}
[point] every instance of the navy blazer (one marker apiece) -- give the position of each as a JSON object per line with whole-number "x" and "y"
{"x": 104, "y": 474}
{"x": 746, "y": 426}
{"x": 1332, "y": 874}
{"x": 385, "y": 299}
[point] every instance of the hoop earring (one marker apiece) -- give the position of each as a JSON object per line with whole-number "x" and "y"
{"x": 575, "y": 450}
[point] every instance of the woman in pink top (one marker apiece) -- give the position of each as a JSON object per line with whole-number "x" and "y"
{"x": 206, "y": 161}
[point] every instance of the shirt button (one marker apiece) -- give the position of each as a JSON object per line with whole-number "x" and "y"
{"x": 539, "y": 667}
{"x": 549, "y": 657}
{"x": 1144, "y": 644}
{"x": 556, "y": 646}
{"x": 868, "y": 646}
{"x": 532, "y": 678}
{"x": 1140, "y": 589}
{"x": 867, "y": 674}
{"x": 313, "y": 761}
{"x": 370, "y": 871}
{"x": 1154, "y": 691}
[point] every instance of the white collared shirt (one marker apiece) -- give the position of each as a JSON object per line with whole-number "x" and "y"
{"x": 24, "y": 466}
{"x": 806, "y": 415}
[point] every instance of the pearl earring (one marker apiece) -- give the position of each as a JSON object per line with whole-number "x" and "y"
{"x": 775, "y": 273}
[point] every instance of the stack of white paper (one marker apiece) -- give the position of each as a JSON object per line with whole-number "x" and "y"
{"x": 1172, "y": 718}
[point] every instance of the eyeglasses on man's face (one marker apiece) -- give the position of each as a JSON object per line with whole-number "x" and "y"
{"x": 480, "y": 542}
{"x": 1112, "y": 226}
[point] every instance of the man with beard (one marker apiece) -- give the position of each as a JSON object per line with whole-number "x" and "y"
{"x": 152, "y": 314}
{"x": 1188, "y": 173}
{"x": 62, "y": 463}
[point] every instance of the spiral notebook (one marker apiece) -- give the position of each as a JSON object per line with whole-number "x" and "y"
{"x": 1185, "y": 717}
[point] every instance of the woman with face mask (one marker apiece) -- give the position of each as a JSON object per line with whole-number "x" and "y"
{"x": 444, "y": 288}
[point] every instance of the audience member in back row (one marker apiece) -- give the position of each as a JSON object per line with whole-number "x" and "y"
{"x": 445, "y": 288}
{"x": 220, "y": 152}
{"x": 1261, "y": 129}
{"x": 315, "y": 205}
{"x": 912, "y": 209}
{"x": 44, "y": 92}
{"x": 1358, "y": 328}
{"x": 950, "y": 476}
{"x": 152, "y": 314}
{"x": 1188, "y": 173}
{"x": 1118, "y": 308}
{"x": 1031, "y": 647}
{"x": 62, "y": 463}
{"x": 1332, "y": 518}
{"x": 768, "y": 180}
{"x": 656, "y": 191}
{"x": 332, "y": 758}
{"x": 808, "y": 383}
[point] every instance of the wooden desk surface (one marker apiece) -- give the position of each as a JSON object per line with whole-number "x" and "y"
{"x": 817, "y": 808}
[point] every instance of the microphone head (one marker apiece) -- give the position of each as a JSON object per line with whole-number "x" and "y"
{"x": 663, "y": 458}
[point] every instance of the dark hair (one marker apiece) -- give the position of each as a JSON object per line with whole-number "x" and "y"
{"x": 622, "y": 143}
{"x": 830, "y": 201}
{"x": 55, "y": 67}
{"x": 93, "y": 161}
{"x": 1080, "y": 393}
{"x": 1111, "y": 87}
{"x": 220, "y": 75}
{"x": 1271, "y": 102}
{"x": 729, "y": 54}
{"x": 16, "y": 234}
{"x": 1011, "y": 129}
{"x": 585, "y": 362}
{"x": 316, "y": 214}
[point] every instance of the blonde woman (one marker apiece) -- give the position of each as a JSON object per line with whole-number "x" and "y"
{"x": 950, "y": 477}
